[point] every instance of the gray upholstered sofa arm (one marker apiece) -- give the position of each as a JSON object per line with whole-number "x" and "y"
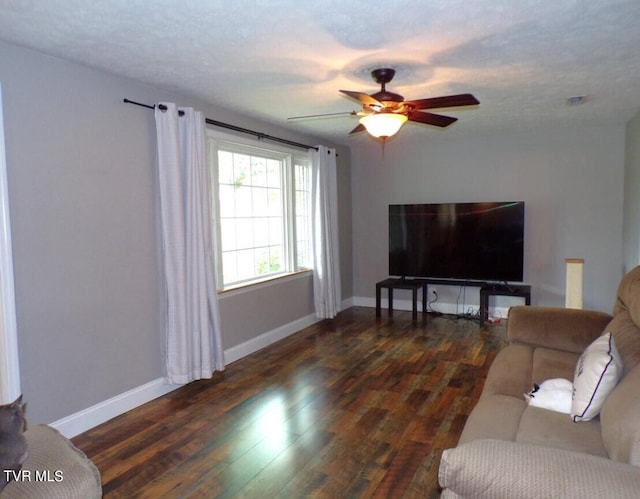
{"x": 566, "y": 329}
{"x": 499, "y": 469}
{"x": 54, "y": 468}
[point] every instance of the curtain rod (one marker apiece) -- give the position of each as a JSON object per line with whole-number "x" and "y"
{"x": 221, "y": 124}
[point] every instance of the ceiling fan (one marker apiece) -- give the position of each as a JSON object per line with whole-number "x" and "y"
{"x": 383, "y": 113}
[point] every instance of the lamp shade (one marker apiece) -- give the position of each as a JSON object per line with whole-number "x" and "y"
{"x": 383, "y": 124}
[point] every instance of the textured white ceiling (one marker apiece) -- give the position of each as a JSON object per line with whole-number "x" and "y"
{"x": 278, "y": 58}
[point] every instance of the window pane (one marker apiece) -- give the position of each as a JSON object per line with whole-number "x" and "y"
{"x": 241, "y": 169}
{"x": 245, "y": 264}
{"x": 225, "y": 167}
{"x": 252, "y": 215}
{"x": 244, "y": 232}
{"x": 275, "y": 230}
{"x": 303, "y": 209}
{"x": 262, "y": 261}
{"x": 275, "y": 258}
{"x": 274, "y": 168}
{"x": 259, "y": 171}
{"x": 261, "y": 234}
{"x": 275, "y": 205}
{"x": 229, "y": 267}
{"x": 227, "y": 201}
{"x": 228, "y": 235}
{"x": 260, "y": 200}
{"x": 244, "y": 205}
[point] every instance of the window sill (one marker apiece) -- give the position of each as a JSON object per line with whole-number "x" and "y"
{"x": 268, "y": 281}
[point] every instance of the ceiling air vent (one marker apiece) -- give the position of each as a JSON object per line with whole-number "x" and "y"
{"x": 577, "y": 100}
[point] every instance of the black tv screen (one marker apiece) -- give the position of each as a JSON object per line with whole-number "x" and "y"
{"x": 466, "y": 241}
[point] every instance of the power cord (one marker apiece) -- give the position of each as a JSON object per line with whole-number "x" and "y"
{"x": 429, "y": 307}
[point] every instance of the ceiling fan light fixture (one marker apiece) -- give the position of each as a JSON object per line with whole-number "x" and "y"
{"x": 383, "y": 124}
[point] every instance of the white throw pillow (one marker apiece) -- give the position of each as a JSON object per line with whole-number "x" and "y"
{"x": 553, "y": 394}
{"x": 597, "y": 373}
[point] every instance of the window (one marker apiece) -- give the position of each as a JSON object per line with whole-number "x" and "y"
{"x": 263, "y": 201}
{"x": 303, "y": 183}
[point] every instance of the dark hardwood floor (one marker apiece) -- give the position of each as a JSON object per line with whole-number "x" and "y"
{"x": 350, "y": 407}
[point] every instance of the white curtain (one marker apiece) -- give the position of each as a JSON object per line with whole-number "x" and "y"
{"x": 9, "y": 361}
{"x": 193, "y": 348}
{"x": 326, "y": 258}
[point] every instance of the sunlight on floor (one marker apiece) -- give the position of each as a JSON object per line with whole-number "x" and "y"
{"x": 273, "y": 423}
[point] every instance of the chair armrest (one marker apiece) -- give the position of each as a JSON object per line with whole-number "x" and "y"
{"x": 54, "y": 468}
{"x": 498, "y": 469}
{"x": 567, "y": 329}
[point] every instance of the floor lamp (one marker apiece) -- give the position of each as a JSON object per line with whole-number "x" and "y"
{"x": 573, "y": 295}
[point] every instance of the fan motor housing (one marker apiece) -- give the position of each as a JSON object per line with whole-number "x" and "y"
{"x": 384, "y": 96}
{"x": 384, "y": 76}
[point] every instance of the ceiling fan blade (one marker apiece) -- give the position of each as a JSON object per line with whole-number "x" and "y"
{"x": 444, "y": 101}
{"x": 363, "y": 98}
{"x": 358, "y": 129}
{"x": 344, "y": 113}
{"x": 431, "y": 119}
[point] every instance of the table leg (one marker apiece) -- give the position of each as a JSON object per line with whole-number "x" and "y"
{"x": 484, "y": 308}
{"x": 378, "y": 299}
{"x": 425, "y": 291}
{"x": 414, "y": 315}
{"x": 390, "y": 301}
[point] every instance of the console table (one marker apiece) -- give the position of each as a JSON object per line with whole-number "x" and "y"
{"x": 521, "y": 290}
{"x": 486, "y": 290}
{"x": 413, "y": 284}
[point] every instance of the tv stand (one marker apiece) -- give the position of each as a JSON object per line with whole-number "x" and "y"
{"x": 402, "y": 283}
{"x": 521, "y": 290}
{"x": 487, "y": 290}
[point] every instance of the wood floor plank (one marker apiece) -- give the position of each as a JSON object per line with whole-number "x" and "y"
{"x": 356, "y": 406}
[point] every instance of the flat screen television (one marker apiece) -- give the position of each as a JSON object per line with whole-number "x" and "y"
{"x": 466, "y": 241}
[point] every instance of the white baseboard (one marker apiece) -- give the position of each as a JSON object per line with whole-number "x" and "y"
{"x": 254, "y": 344}
{"x": 84, "y": 420}
{"x": 101, "y": 412}
{"x": 445, "y": 308}
{"x": 442, "y": 307}
{"x": 347, "y": 303}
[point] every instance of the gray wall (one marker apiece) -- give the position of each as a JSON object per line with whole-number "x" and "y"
{"x": 632, "y": 195}
{"x": 571, "y": 182}
{"x": 81, "y": 174}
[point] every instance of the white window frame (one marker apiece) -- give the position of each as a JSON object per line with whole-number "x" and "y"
{"x": 290, "y": 157}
